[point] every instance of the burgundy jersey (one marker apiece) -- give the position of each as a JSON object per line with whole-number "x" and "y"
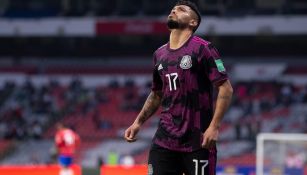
{"x": 186, "y": 77}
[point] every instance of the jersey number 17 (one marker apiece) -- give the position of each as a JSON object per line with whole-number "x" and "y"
{"x": 172, "y": 77}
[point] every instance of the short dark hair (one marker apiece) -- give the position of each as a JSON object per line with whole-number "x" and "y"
{"x": 193, "y": 6}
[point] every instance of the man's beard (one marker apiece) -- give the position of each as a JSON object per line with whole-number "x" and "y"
{"x": 172, "y": 24}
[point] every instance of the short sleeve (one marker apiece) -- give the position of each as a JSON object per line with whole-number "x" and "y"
{"x": 58, "y": 139}
{"x": 214, "y": 66}
{"x": 156, "y": 79}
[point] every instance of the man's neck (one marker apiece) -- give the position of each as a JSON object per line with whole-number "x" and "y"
{"x": 178, "y": 38}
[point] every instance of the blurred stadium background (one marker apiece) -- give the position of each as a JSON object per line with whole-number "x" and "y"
{"x": 87, "y": 63}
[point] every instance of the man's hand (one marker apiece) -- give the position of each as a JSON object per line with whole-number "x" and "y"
{"x": 131, "y": 132}
{"x": 210, "y": 137}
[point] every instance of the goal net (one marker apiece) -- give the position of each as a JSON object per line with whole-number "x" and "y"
{"x": 281, "y": 154}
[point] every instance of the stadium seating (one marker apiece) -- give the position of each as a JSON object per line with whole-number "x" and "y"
{"x": 30, "y": 152}
{"x": 5, "y": 147}
{"x": 95, "y": 81}
{"x": 101, "y": 113}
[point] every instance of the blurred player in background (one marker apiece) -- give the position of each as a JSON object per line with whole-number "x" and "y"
{"x": 185, "y": 71}
{"x": 66, "y": 141}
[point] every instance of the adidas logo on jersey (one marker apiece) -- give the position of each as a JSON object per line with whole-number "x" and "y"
{"x": 160, "y": 67}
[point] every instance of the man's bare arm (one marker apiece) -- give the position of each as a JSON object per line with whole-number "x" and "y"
{"x": 150, "y": 107}
{"x": 222, "y": 103}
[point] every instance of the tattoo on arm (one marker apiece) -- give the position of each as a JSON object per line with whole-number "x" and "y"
{"x": 151, "y": 106}
{"x": 222, "y": 103}
{"x": 224, "y": 97}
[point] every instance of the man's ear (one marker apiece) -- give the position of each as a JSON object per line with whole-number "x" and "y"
{"x": 193, "y": 23}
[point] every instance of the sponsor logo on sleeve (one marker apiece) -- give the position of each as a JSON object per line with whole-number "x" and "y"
{"x": 220, "y": 65}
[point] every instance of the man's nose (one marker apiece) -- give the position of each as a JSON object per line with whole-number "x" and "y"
{"x": 173, "y": 11}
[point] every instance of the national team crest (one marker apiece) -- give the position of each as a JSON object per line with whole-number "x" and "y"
{"x": 186, "y": 62}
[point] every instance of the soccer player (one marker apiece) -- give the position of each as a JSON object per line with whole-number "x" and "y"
{"x": 66, "y": 141}
{"x": 185, "y": 71}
